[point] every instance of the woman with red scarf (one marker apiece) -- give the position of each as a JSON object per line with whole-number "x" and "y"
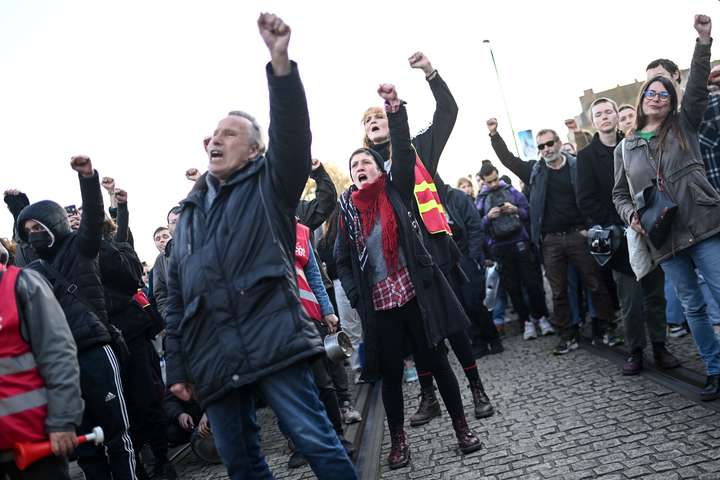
{"x": 404, "y": 300}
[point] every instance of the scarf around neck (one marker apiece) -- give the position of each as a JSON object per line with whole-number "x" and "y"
{"x": 360, "y": 210}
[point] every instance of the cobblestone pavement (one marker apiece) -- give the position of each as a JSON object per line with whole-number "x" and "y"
{"x": 570, "y": 417}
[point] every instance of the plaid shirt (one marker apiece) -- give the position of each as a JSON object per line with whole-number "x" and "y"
{"x": 709, "y": 136}
{"x": 395, "y": 291}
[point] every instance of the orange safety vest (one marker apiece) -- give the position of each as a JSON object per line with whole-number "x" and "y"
{"x": 23, "y": 398}
{"x": 431, "y": 209}
{"x": 302, "y": 257}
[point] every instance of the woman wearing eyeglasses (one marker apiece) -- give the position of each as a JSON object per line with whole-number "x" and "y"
{"x": 663, "y": 156}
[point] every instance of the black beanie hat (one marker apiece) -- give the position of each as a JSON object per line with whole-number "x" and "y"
{"x": 379, "y": 161}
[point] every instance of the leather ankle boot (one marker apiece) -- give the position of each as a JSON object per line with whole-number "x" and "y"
{"x": 665, "y": 359}
{"x": 483, "y": 407}
{"x": 428, "y": 409}
{"x": 399, "y": 449}
{"x": 467, "y": 441}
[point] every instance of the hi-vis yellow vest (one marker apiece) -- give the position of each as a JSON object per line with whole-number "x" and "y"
{"x": 431, "y": 210}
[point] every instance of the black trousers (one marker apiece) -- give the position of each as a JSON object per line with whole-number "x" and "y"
{"x": 400, "y": 327}
{"x": 51, "y": 467}
{"x": 144, "y": 393}
{"x": 102, "y": 391}
{"x": 520, "y": 270}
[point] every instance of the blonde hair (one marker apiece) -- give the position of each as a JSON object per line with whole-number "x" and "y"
{"x": 366, "y": 140}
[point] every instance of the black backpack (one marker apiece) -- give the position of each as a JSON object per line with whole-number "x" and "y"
{"x": 504, "y": 226}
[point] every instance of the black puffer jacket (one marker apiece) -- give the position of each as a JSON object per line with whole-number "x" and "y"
{"x": 75, "y": 256}
{"x": 442, "y": 313}
{"x": 234, "y": 314}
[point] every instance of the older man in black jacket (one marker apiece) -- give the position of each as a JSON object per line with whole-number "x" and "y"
{"x": 642, "y": 303}
{"x": 234, "y": 318}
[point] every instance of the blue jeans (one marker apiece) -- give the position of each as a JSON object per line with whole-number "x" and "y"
{"x": 498, "y": 313}
{"x": 674, "y": 310}
{"x": 292, "y": 395}
{"x": 680, "y": 269}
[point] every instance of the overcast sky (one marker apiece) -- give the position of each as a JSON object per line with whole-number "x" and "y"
{"x": 137, "y": 84}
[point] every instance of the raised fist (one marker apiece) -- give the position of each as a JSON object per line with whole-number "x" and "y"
{"x": 276, "y": 35}
{"x": 12, "y": 192}
{"x": 121, "y": 196}
{"x": 419, "y": 60}
{"x": 192, "y": 174}
{"x": 703, "y": 26}
{"x": 572, "y": 125}
{"x": 387, "y": 92}
{"x": 82, "y": 165}
{"x": 492, "y": 125}
{"x": 108, "y": 184}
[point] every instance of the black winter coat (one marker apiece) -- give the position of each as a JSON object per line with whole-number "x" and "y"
{"x": 234, "y": 314}
{"x": 593, "y": 190}
{"x": 595, "y": 182}
{"x": 75, "y": 256}
{"x": 442, "y": 313}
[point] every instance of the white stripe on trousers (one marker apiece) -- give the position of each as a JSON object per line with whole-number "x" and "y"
{"x": 127, "y": 442}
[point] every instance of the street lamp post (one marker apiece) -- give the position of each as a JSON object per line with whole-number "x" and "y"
{"x": 502, "y": 95}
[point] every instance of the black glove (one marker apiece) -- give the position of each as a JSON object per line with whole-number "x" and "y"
{"x": 16, "y": 203}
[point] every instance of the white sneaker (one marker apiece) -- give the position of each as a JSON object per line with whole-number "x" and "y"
{"x": 545, "y": 327}
{"x": 530, "y": 331}
{"x": 677, "y": 331}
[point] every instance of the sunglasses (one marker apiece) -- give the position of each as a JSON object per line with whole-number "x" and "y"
{"x": 549, "y": 144}
{"x": 650, "y": 94}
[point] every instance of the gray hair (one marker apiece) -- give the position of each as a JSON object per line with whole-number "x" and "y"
{"x": 548, "y": 130}
{"x": 255, "y": 132}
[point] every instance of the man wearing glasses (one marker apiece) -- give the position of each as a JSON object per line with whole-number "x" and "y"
{"x": 558, "y": 228}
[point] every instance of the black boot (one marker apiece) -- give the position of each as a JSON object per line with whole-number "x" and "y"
{"x": 428, "y": 409}
{"x": 663, "y": 358}
{"x": 496, "y": 346}
{"x": 483, "y": 407}
{"x": 712, "y": 388}
{"x": 399, "y": 449}
{"x": 467, "y": 441}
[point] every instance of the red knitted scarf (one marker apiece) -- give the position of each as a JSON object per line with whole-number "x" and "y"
{"x": 371, "y": 201}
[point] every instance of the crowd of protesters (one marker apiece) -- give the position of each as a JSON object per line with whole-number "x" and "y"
{"x": 250, "y": 280}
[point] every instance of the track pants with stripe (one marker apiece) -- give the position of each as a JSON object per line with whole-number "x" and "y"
{"x": 105, "y": 406}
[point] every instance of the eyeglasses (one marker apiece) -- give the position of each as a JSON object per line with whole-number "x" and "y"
{"x": 663, "y": 96}
{"x": 541, "y": 146}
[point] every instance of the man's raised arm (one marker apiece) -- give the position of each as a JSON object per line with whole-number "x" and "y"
{"x": 289, "y": 133}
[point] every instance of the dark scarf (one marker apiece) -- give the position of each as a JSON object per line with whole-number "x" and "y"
{"x": 360, "y": 209}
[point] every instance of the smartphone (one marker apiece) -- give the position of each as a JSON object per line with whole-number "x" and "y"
{"x": 71, "y": 210}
